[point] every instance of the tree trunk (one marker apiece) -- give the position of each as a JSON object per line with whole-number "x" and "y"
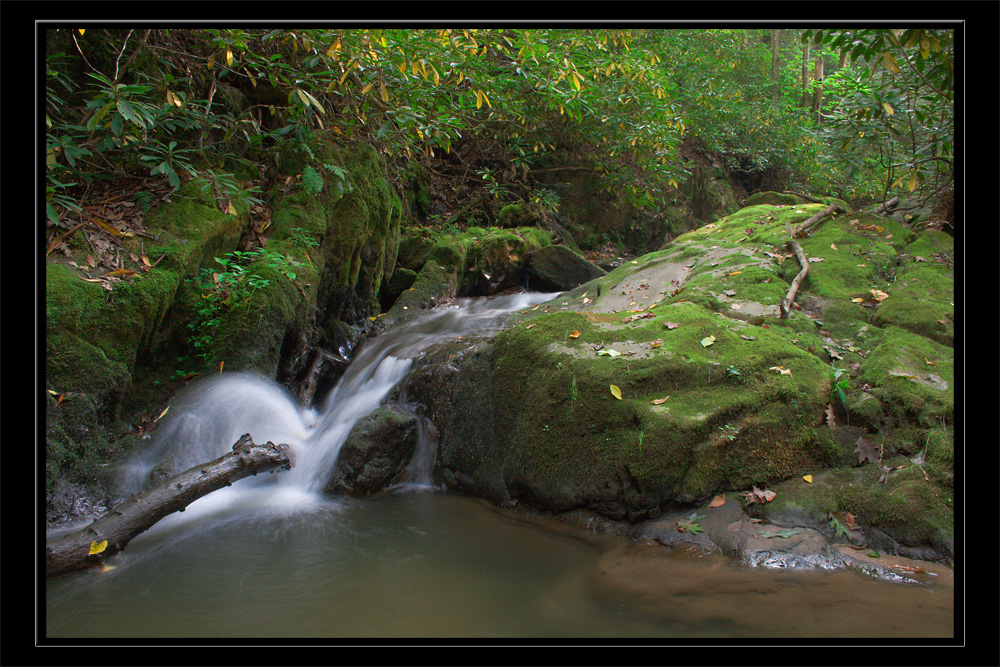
{"x": 805, "y": 97}
{"x": 112, "y": 532}
{"x": 775, "y": 66}
{"x": 817, "y": 100}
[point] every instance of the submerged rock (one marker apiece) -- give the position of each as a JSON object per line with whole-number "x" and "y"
{"x": 375, "y": 453}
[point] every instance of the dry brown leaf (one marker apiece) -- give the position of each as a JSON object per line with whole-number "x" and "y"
{"x": 718, "y": 501}
{"x": 758, "y": 496}
{"x": 659, "y": 401}
{"x": 866, "y": 450}
{"x": 831, "y": 421}
{"x": 575, "y": 334}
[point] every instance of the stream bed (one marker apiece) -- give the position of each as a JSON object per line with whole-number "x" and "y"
{"x": 275, "y": 557}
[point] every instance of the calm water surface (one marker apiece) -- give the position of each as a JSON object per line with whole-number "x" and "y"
{"x": 436, "y": 565}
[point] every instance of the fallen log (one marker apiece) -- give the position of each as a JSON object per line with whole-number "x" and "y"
{"x": 793, "y": 290}
{"x": 109, "y": 534}
{"x": 829, "y": 210}
{"x": 886, "y": 206}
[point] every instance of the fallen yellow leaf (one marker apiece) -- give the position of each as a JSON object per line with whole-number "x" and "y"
{"x": 97, "y": 547}
{"x": 616, "y": 392}
{"x": 808, "y": 478}
{"x": 575, "y": 334}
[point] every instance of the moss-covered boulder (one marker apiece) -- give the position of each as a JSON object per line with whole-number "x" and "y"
{"x": 519, "y": 214}
{"x": 557, "y": 268}
{"x": 674, "y": 377}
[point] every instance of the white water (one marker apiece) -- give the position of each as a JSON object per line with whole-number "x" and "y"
{"x": 209, "y": 416}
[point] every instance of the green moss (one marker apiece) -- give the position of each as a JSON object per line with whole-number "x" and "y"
{"x": 910, "y": 389}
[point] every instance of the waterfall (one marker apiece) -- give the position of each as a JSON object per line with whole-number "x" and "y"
{"x": 206, "y": 418}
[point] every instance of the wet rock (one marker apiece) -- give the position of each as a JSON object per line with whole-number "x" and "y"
{"x": 375, "y": 453}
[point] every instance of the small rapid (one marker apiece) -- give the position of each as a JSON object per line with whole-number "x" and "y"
{"x": 206, "y": 418}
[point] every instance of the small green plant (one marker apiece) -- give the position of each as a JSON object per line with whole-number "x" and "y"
{"x": 167, "y": 160}
{"x": 312, "y": 181}
{"x": 302, "y": 238}
{"x": 839, "y": 386}
{"x": 839, "y": 528}
{"x": 837, "y": 391}
{"x": 691, "y": 524}
{"x": 729, "y": 432}
{"x": 232, "y": 286}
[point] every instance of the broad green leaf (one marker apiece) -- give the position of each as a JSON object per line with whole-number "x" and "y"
{"x": 609, "y": 353}
{"x": 125, "y": 108}
{"x": 92, "y": 123}
{"x": 314, "y": 102}
{"x": 616, "y": 392}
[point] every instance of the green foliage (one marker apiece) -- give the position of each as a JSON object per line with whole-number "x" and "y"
{"x": 617, "y": 101}
{"x": 894, "y": 117}
{"x": 232, "y": 287}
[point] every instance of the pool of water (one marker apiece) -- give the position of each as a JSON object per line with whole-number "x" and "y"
{"x": 436, "y": 565}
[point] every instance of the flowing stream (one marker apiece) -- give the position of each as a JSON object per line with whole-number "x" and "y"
{"x": 273, "y": 556}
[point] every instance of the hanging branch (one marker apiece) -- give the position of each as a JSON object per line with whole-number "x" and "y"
{"x": 109, "y": 534}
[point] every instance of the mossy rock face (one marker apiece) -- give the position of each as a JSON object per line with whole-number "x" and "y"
{"x": 96, "y": 337}
{"x": 745, "y": 397}
{"x": 108, "y": 351}
{"x": 357, "y": 218}
{"x": 415, "y": 246}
